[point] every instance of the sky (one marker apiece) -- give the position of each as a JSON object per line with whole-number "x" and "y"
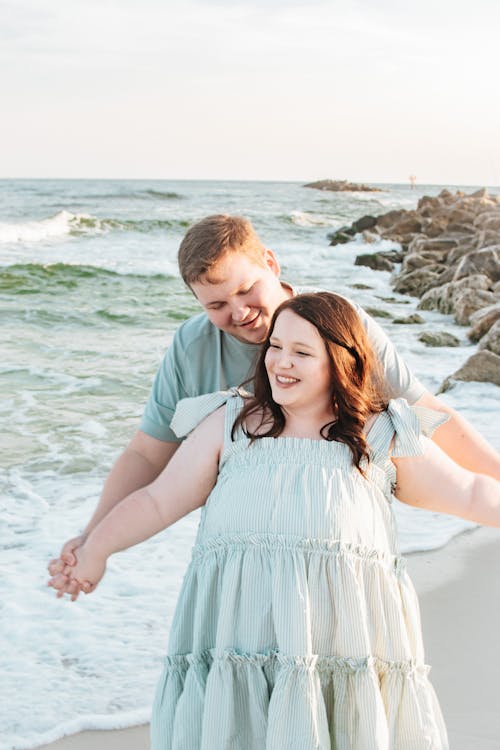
{"x": 370, "y": 90}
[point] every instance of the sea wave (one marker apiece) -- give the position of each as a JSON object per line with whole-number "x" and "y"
{"x": 65, "y": 223}
{"x": 23, "y": 278}
{"x": 309, "y": 219}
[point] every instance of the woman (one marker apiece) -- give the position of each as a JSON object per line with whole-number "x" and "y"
{"x": 297, "y": 625}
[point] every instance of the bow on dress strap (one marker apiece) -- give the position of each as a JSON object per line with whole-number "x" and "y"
{"x": 191, "y": 411}
{"x": 409, "y": 423}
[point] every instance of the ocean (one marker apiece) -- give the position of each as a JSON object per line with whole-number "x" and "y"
{"x": 90, "y": 297}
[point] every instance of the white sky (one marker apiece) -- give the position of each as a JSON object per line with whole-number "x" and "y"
{"x": 265, "y": 89}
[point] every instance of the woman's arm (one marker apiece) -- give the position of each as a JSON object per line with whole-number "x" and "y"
{"x": 435, "y": 482}
{"x": 183, "y": 485}
{"x": 461, "y": 441}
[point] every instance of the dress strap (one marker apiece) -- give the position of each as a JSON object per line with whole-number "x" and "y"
{"x": 191, "y": 411}
{"x": 405, "y": 425}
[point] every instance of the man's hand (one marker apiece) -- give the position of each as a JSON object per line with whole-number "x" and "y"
{"x": 67, "y": 556}
{"x": 84, "y": 576}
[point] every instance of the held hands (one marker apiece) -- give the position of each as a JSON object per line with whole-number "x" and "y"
{"x": 78, "y": 569}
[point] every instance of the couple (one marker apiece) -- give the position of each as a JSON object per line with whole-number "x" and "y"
{"x": 296, "y": 625}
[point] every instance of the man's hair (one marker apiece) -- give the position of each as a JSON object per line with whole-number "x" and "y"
{"x": 210, "y": 239}
{"x": 355, "y": 389}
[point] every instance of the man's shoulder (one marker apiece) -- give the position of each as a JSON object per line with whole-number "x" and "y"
{"x": 314, "y": 289}
{"x": 193, "y": 330}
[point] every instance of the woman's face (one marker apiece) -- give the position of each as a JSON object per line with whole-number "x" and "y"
{"x": 297, "y": 364}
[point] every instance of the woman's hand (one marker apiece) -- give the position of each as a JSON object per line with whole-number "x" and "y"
{"x": 89, "y": 568}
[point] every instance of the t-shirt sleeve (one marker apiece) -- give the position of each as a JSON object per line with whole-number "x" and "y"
{"x": 401, "y": 381}
{"x": 167, "y": 390}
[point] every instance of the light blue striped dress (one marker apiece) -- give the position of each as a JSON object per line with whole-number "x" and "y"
{"x": 297, "y": 627}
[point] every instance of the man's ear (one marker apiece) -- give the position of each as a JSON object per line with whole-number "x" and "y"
{"x": 271, "y": 262}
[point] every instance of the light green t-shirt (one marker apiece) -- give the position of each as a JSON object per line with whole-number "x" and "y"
{"x": 202, "y": 359}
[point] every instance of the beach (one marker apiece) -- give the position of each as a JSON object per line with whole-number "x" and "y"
{"x": 459, "y": 592}
{"x": 90, "y": 298}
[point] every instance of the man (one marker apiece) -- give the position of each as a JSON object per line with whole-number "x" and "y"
{"x": 236, "y": 280}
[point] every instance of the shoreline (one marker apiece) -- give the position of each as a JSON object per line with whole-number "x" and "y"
{"x": 459, "y": 598}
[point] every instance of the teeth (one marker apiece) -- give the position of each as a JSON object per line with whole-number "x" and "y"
{"x": 283, "y": 379}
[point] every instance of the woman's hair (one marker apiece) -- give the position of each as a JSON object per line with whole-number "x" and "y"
{"x": 355, "y": 383}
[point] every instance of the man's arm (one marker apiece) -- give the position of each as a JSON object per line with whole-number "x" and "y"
{"x": 461, "y": 441}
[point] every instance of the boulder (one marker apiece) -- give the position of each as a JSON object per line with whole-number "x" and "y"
{"x": 375, "y": 261}
{"x": 377, "y": 312}
{"x": 341, "y": 237}
{"x": 410, "y": 319}
{"x": 412, "y": 261}
{"x": 417, "y": 282}
{"x": 443, "y": 297}
{"x": 482, "y": 320}
{"x": 407, "y": 224}
{"x": 427, "y": 205}
{"x": 458, "y": 252}
{"x": 366, "y": 222}
{"x": 468, "y": 301}
{"x": 488, "y": 220}
{"x": 439, "y": 338}
{"x": 486, "y": 238}
{"x": 485, "y": 261}
{"x": 491, "y": 340}
{"x": 396, "y": 256}
{"x": 433, "y": 226}
{"x": 484, "y": 366}
{"x": 391, "y": 217}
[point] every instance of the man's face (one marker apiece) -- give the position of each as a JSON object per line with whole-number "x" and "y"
{"x": 243, "y": 295}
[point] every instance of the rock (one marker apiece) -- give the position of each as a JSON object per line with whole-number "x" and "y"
{"x": 410, "y": 319}
{"x": 366, "y": 222}
{"x": 464, "y": 247}
{"x": 491, "y": 340}
{"x": 341, "y": 186}
{"x": 427, "y": 205}
{"x": 438, "y": 338}
{"x": 484, "y": 366}
{"x": 394, "y": 300}
{"x": 384, "y": 221}
{"x": 482, "y": 193}
{"x": 360, "y": 286}
{"x": 340, "y": 238}
{"x": 486, "y": 238}
{"x": 485, "y": 261}
{"x": 376, "y": 312}
{"x": 396, "y": 256}
{"x": 488, "y": 220}
{"x": 446, "y": 196}
{"x": 496, "y": 287}
{"x": 443, "y": 297}
{"x": 409, "y": 223}
{"x": 440, "y": 246}
{"x": 374, "y": 261}
{"x": 482, "y": 320}
{"x": 470, "y": 300}
{"x": 417, "y": 282}
{"x": 412, "y": 261}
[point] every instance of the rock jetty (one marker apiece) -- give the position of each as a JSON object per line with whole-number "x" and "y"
{"x": 450, "y": 258}
{"x": 339, "y": 186}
